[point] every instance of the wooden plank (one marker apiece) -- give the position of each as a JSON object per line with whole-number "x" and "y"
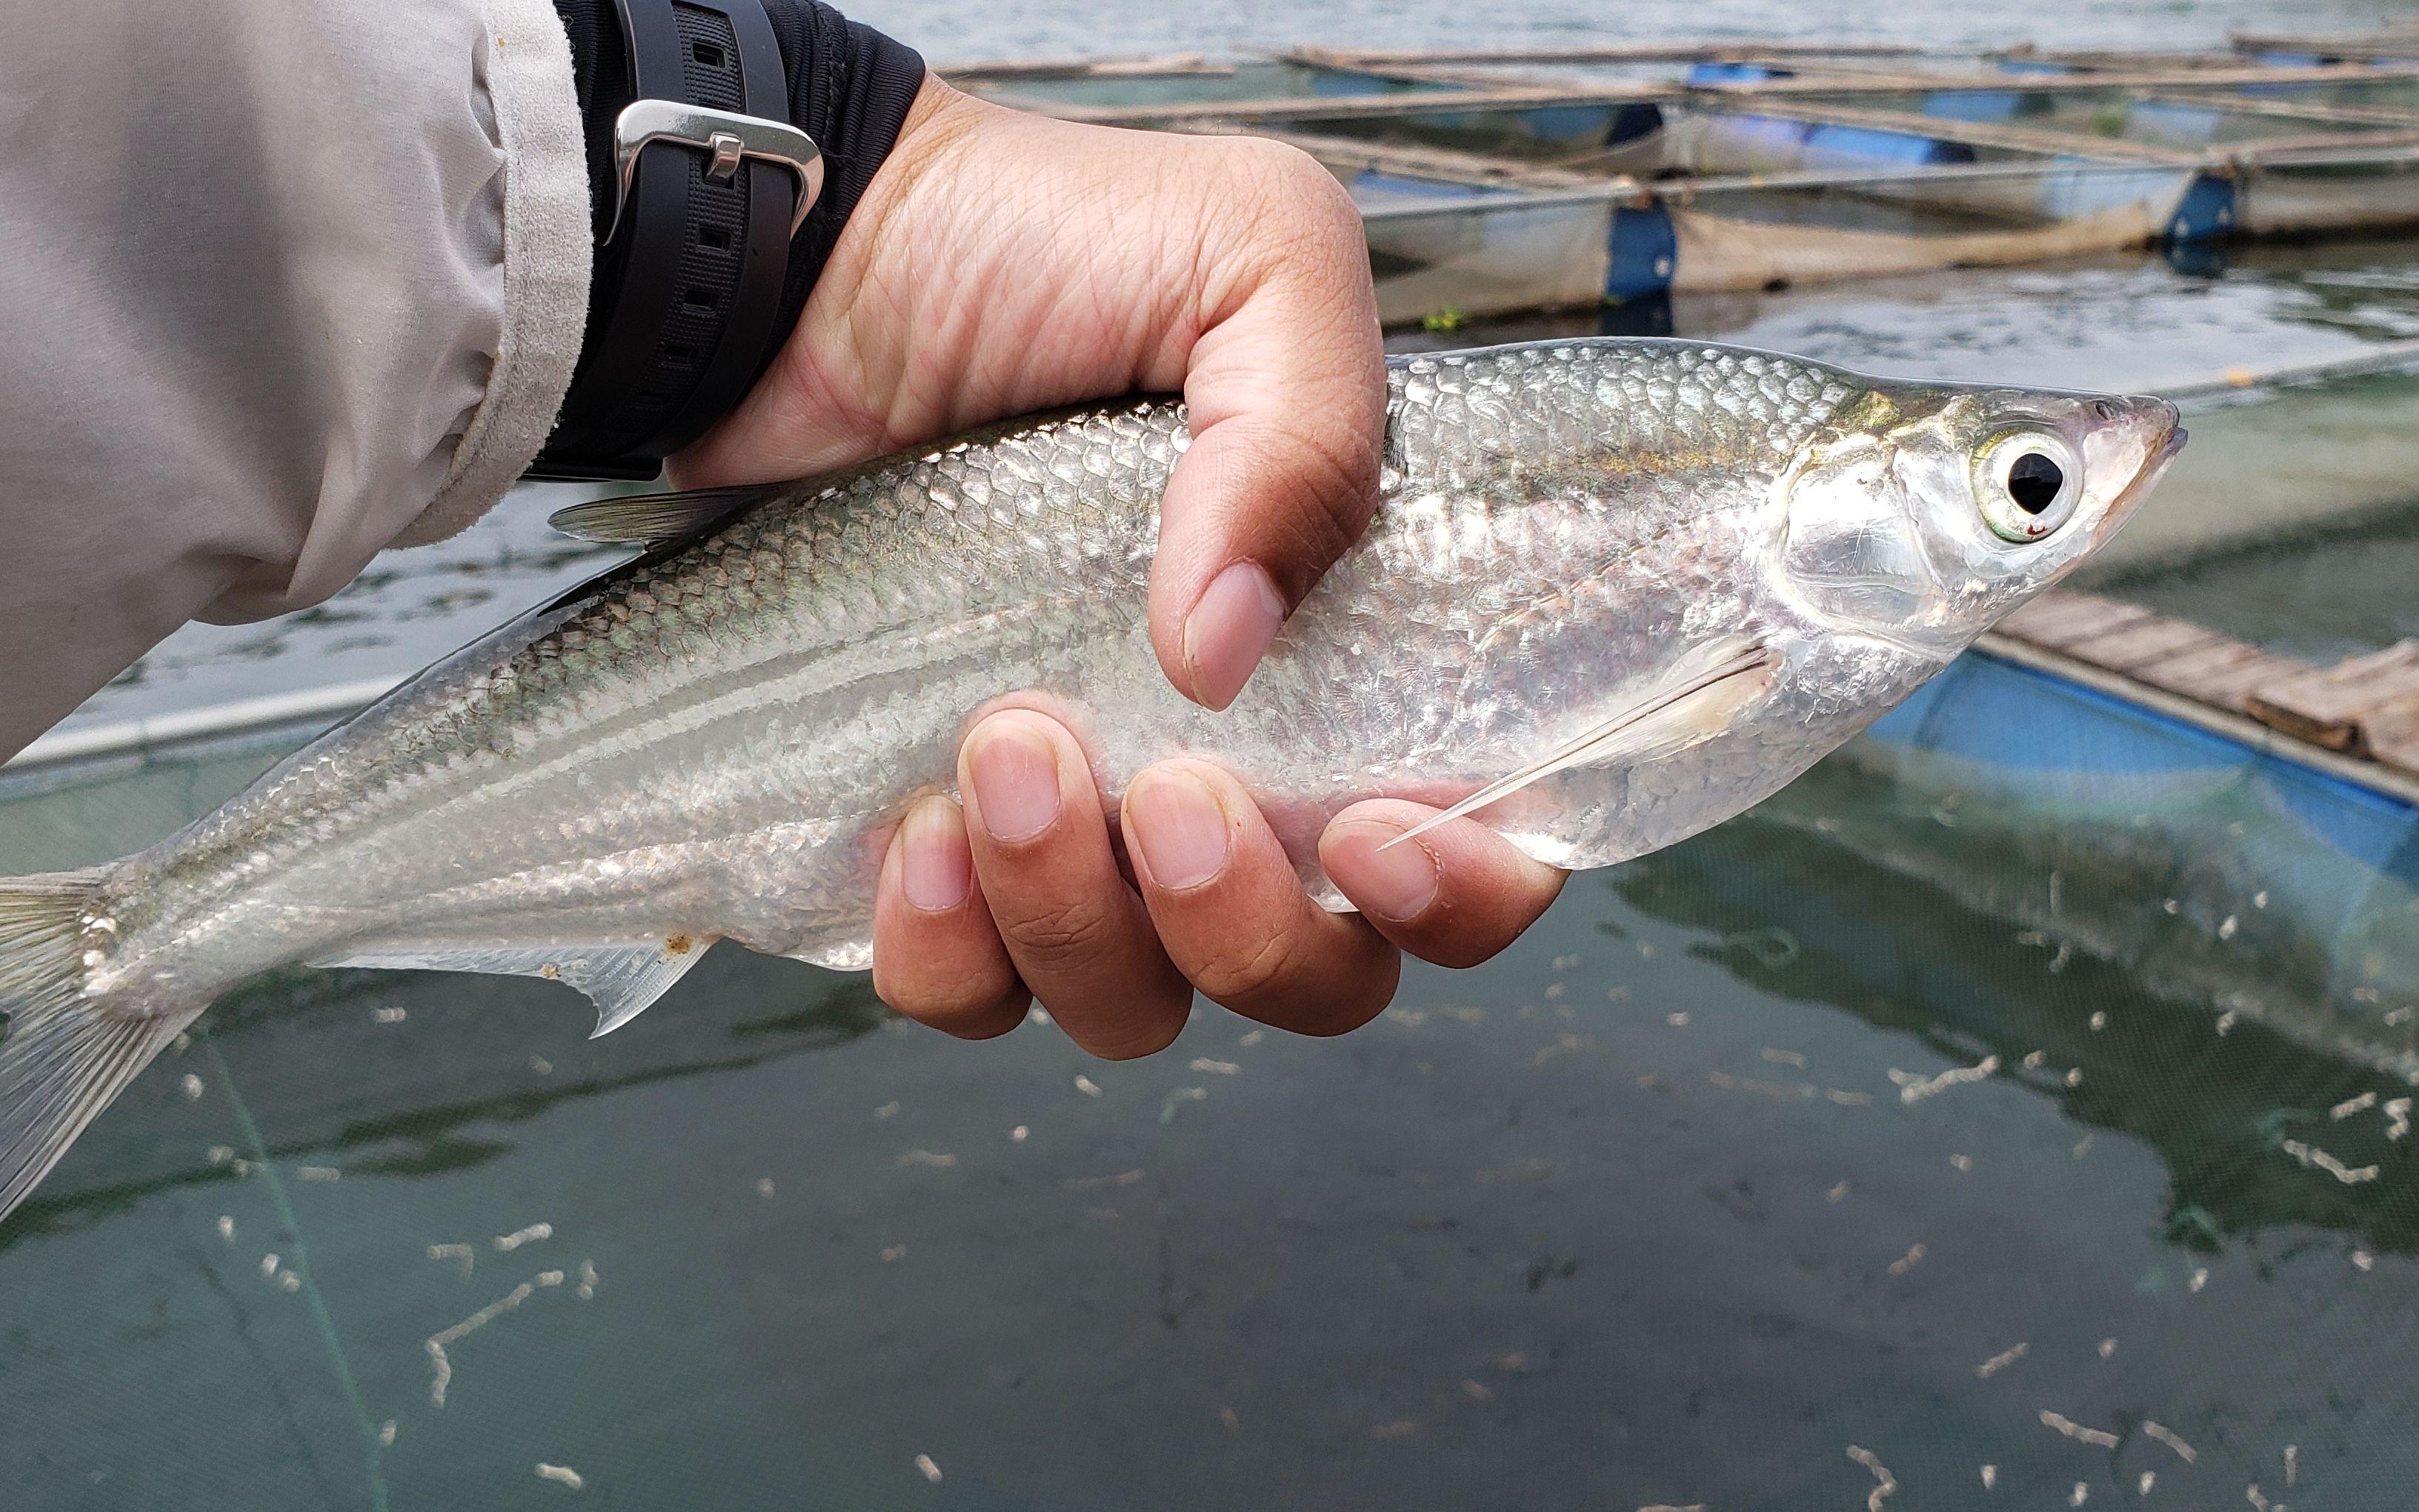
{"x": 1350, "y": 107}
{"x": 2393, "y": 734}
{"x": 2061, "y": 617}
{"x": 2141, "y": 643}
{"x": 2269, "y": 105}
{"x": 1144, "y": 66}
{"x": 1678, "y": 51}
{"x": 2326, "y": 706}
{"x": 1443, "y": 163}
{"x": 2051, "y": 83}
{"x": 1982, "y": 133}
{"x": 2218, "y": 676}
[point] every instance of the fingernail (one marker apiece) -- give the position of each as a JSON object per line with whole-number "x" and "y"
{"x": 1239, "y": 614}
{"x": 1396, "y": 883}
{"x": 1015, "y": 773}
{"x": 1179, "y": 826}
{"x": 936, "y": 867}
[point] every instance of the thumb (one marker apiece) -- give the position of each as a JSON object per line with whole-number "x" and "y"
{"x": 1286, "y": 398}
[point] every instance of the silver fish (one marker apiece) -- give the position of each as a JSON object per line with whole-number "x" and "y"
{"x": 1616, "y": 591}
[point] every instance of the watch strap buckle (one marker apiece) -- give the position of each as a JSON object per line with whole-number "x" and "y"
{"x": 726, "y": 137}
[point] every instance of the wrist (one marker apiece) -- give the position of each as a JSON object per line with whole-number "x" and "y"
{"x": 700, "y": 268}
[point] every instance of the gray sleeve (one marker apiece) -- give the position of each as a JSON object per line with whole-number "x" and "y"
{"x": 281, "y": 284}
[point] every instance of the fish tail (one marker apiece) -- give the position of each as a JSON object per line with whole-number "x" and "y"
{"x": 64, "y": 1055}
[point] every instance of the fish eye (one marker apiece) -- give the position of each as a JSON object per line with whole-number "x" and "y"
{"x": 2027, "y": 483}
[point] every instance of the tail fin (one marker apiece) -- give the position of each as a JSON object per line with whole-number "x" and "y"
{"x": 62, "y": 1058}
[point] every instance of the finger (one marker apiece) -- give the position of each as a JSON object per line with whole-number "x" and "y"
{"x": 1077, "y": 933}
{"x": 1285, "y": 394}
{"x": 937, "y": 958}
{"x": 1455, "y": 896}
{"x": 1231, "y": 913}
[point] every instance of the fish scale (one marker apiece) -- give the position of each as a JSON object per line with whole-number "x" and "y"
{"x": 1622, "y": 589}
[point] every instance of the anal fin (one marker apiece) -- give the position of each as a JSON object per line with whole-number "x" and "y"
{"x": 1693, "y": 703}
{"x": 623, "y": 979}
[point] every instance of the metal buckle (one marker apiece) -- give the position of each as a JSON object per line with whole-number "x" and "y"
{"x": 725, "y": 137}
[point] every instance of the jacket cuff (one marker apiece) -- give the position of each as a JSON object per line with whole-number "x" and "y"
{"x": 527, "y": 71}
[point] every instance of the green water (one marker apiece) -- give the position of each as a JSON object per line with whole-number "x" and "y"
{"x": 1638, "y": 1214}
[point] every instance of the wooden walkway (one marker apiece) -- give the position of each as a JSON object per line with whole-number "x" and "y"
{"x": 2365, "y": 708}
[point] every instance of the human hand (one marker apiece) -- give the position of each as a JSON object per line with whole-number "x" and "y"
{"x": 1020, "y": 895}
{"x": 1001, "y": 263}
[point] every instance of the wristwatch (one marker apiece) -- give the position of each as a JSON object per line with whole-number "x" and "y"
{"x": 710, "y": 184}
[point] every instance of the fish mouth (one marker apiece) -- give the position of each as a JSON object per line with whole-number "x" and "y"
{"x": 2145, "y": 477}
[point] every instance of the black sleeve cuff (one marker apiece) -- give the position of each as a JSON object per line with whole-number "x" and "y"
{"x": 849, "y": 87}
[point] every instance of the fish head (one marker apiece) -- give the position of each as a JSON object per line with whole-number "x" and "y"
{"x": 1921, "y": 514}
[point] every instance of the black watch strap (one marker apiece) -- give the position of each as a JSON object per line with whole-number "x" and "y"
{"x": 708, "y": 184}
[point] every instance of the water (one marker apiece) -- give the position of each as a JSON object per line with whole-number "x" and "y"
{"x": 1641, "y": 1214}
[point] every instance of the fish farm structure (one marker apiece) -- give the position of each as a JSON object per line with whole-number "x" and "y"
{"x": 1498, "y": 181}
{"x": 2021, "y": 1108}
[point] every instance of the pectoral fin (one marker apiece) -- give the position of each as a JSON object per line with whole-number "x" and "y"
{"x": 620, "y": 979}
{"x": 651, "y": 518}
{"x": 1695, "y": 702}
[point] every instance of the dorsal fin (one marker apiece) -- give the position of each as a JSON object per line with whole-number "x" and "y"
{"x": 652, "y": 519}
{"x": 1694, "y": 702}
{"x": 621, "y": 980}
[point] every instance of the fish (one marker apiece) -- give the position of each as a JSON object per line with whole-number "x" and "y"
{"x": 1615, "y": 591}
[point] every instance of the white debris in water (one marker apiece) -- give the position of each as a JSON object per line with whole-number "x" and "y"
{"x": 464, "y": 1252}
{"x": 1476, "y": 1391}
{"x": 442, "y": 1368}
{"x": 2035, "y": 1059}
{"x": 1087, "y": 1087}
{"x": 241, "y": 1168}
{"x": 1964, "y": 1163}
{"x": 2227, "y": 927}
{"x": 2074, "y": 1076}
{"x": 541, "y": 1065}
{"x": 1677, "y": 1020}
{"x": 2107, "y": 1348}
{"x": 1837, "y": 1194}
{"x": 523, "y": 1236}
{"x": 2142, "y": 1487}
{"x": 318, "y": 1173}
{"x": 1849, "y": 1099}
{"x": 183, "y": 1041}
{"x": 1913, "y": 1087}
{"x": 2184, "y": 1452}
{"x": 2100, "y": 1437}
{"x": 2400, "y": 1111}
{"x": 1565, "y": 962}
{"x": 221, "y": 1154}
{"x": 2251, "y": 1494}
{"x": 1908, "y": 1261}
{"x": 2200, "y": 1279}
{"x": 1785, "y": 1057}
{"x": 564, "y": 1473}
{"x": 1227, "y": 1415}
{"x": 193, "y": 1085}
{"x": 1254, "y": 1038}
{"x": 2259, "y": 899}
{"x": 1990, "y": 1476}
{"x": 764, "y": 1186}
{"x": 932, "y": 1159}
{"x": 2313, "y": 1156}
{"x": 896, "y": 1252}
{"x": 1887, "y": 1482}
{"x": 227, "y": 1228}
{"x": 2099, "y": 1021}
{"x": 2363, "y": 1261}
{"x": 587, "y": 1280}
{"x": 1208, "y": 1067}
{"x": 1554, "y": 990}
{"x": 2350, "y": 1106}
{"x": 288, "y": 1281}
{"x": 549, "y": 1278}
{"x": 1999, "y": 1361}
{"x": 269, "y": 1264}
{"x": 2292, "y": 1457}
{"x": 1038, "y": 1016}
{"x": 386, "y": 1434}
{"x": 887, "y": 1110}
{"x": 2082, "y": 1145}
{"x": 926, "y": 1468}
{"x": 2081, "y": 1494}
{"x": 2225, "y": 1022}
{"x": 388, "y": 1015}
{"x": 1019, "y": 1135}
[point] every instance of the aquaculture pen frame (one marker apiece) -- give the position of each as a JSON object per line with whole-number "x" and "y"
{"x": 1493, "y": 182}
